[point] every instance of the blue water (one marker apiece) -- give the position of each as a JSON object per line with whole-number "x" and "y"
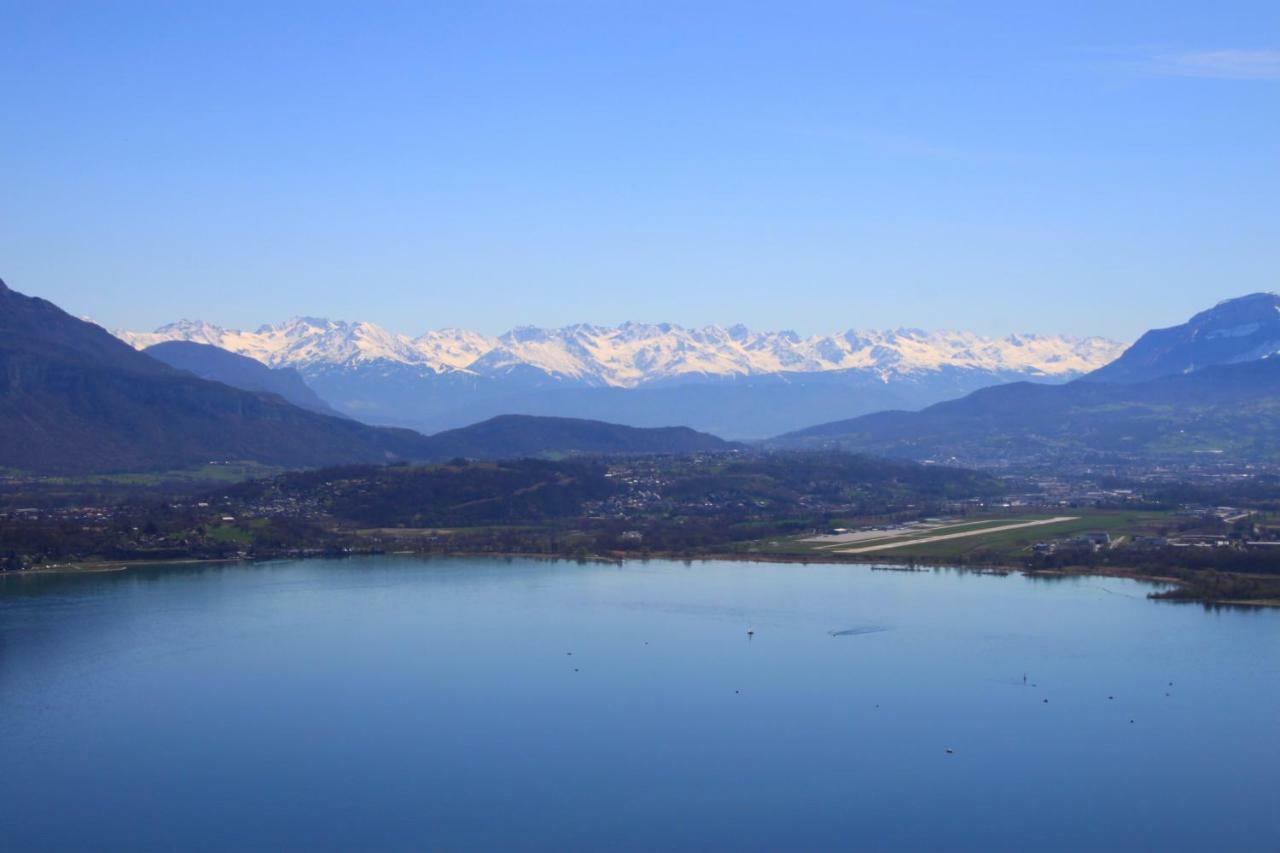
{"x": 399, "y": 703}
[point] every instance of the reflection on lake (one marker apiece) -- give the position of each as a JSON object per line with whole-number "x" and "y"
{"x": 515, "y": 704}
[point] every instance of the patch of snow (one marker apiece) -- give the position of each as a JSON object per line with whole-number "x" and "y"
{"x": 1235, "y": 331}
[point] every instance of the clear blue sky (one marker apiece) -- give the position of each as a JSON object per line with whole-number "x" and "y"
{"x": 1075, "y": 167}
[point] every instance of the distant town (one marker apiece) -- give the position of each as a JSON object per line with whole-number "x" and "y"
{"x": 1190, "y": 524}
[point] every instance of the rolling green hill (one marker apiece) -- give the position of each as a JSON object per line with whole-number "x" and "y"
{"x": 512, "y": 436}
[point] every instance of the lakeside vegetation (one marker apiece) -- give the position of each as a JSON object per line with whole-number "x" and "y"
{"x": 774, "y": 506}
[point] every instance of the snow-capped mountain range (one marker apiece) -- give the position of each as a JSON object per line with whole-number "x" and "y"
{"x": 734, "y": 382}
{"x": 633, "y": 355}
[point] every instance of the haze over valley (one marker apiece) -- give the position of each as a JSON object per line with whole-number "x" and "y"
{"x": 732, "y": 381}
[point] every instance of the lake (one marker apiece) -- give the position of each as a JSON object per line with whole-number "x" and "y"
{"x": 404, "y": 703}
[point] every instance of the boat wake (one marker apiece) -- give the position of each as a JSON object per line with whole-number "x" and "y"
{"x": 859, "y": 631}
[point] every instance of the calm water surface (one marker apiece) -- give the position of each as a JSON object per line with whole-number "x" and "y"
{"x": 409, "y": 704}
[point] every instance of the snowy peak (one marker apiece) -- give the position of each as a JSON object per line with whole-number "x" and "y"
{"x": 452, "y": 349}
{"x": 637, "y": 353}
{"x": 195, "y": 331}
{"x": 298, "y": 342}
{"x": 632, "y": 354}
{"x": 1233, "y": 331}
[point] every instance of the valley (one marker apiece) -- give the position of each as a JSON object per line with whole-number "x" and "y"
{"x": 735, "y": 382}
{"x": 186, "y": 451}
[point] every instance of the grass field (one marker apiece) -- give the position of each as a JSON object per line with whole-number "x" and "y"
{"x": 213, "y": 473}
{"x": 238, "y": 534}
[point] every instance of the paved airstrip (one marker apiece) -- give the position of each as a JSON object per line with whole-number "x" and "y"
{"x": 883, "y": 540}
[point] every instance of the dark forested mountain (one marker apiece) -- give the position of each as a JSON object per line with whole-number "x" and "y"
{"x": 74, "y": 399}
{"x": 1226, "y": 409}
{"x": 511, "y": 436}
{"x": 1231, "y": 332}
{"x": 238, "y": 371}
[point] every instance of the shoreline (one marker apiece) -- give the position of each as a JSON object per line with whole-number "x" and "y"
{"x": 90, "y": 567}
{"x": 107, "y": 566}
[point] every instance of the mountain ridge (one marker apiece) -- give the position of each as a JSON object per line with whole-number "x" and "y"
{"x": 734, "y": 382}
{"x": 634, "y": 354}
{"x": 1152, "y": 403}
{"x": 1245, "y": 328}
{"x": 530, "y": 436}
{"x": 76, "y": 400}
{"x": 240, "y": 371}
